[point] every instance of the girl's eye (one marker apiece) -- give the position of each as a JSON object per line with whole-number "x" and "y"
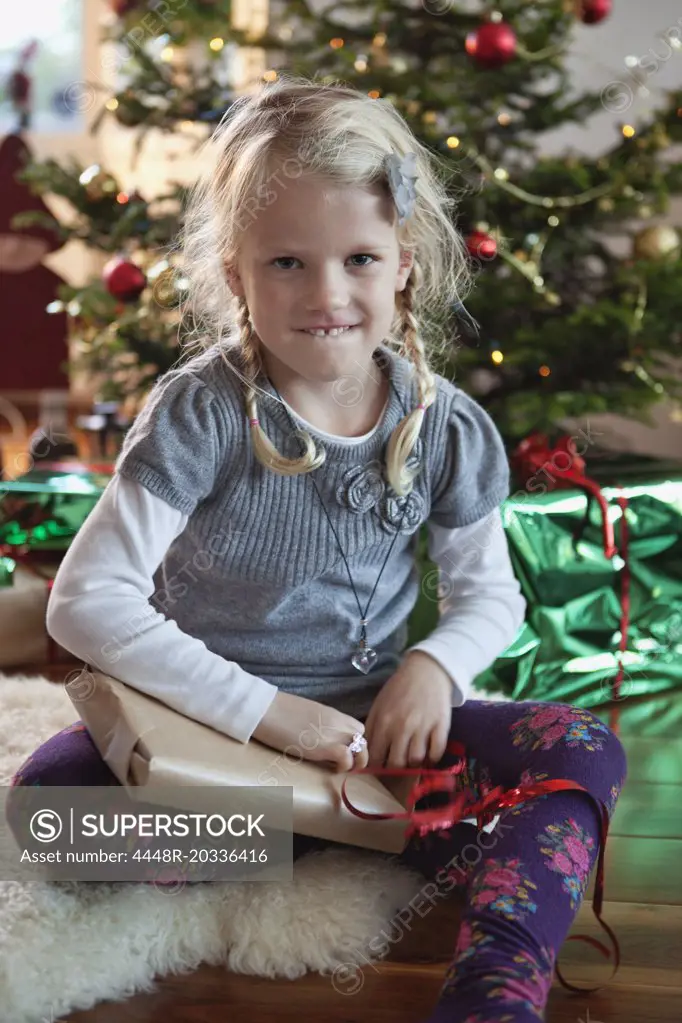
{"x": 358, "y": 255}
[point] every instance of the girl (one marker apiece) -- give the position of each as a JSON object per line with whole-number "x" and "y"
{"x": 252, "y": 562}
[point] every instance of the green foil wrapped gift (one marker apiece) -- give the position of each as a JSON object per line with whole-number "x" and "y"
{"x": 43, "y": 510}
{"x": 40, "y": 513}
{"x": 597, "y": 628}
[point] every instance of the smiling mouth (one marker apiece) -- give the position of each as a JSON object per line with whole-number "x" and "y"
{"x": 332, "y": 332}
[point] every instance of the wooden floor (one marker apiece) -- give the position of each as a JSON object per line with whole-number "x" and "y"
{"x": 643, "y": 905}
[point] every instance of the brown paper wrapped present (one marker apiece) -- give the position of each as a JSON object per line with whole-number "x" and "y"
{"x": 23, "y": 607}
{"x": 147, "y": 743}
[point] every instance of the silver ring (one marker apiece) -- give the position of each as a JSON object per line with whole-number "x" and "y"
{"x": 357, "y": 743}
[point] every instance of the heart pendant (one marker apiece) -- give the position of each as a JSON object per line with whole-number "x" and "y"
{"x": 364, "y": 659}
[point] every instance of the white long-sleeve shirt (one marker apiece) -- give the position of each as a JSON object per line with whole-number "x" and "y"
{"x": 103, "y": 587}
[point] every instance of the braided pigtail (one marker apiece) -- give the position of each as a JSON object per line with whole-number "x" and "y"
{"x": 263, "y": 448}
{"x": 404, "y": 437}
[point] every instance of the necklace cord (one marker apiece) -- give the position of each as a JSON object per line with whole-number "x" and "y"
{"x": 363, "y": 615}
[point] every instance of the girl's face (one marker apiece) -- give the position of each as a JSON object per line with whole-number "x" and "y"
{"x": 321, "y": 255}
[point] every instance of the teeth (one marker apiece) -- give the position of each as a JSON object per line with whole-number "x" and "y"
{"x": 328, "y": 333}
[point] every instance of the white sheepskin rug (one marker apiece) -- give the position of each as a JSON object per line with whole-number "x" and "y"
{"x": 68, "y": 945}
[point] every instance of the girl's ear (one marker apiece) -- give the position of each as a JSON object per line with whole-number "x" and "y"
{"x": 233, "y": 280}
{"x": 404, "y": 269}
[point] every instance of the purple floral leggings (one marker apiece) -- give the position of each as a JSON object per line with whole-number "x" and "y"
{"x": 524, "y": 881}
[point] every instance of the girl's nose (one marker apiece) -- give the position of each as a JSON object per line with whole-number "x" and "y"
{"x": 326, "y": 292}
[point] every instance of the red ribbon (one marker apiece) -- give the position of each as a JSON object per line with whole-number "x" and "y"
{"x": 534, "y": 455}
{"x": 77, "y": 467}
{"x": 562, "y": 466}
{"x": 484, "y": 810}
{"x": 624, "y": 592}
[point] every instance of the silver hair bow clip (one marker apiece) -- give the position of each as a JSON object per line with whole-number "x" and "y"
{"x": 402, "y": 174}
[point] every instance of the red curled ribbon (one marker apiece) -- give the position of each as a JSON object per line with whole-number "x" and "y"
{"x": 562, "y": 466}
{"x": 484, "y": 810}
{"x": 77, "y": 467}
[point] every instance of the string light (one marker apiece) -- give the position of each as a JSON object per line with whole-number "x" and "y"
{"x": 112, "y": 104}
{"x": 122, "y": 198}
{"x": 167, "y": 54}
{"x": 497, "y": 356}
{"x": 563, "y": 201}
{"x": 504, "y": 119}
{"x": 217, "y": 44}
{"x": 379, "y": 39}
{"x": 553, "y": 221}
{"x": 544, "y": 371}
{"x": 374, "y": 94}
{"x": 452, "y": 141}
{"x": 361, "y": 64}
{"x": 628, "y": 131}
{"x": 336, "y": 43}
{"x": 270, "y": 76}
{"x": 501, "y": 174}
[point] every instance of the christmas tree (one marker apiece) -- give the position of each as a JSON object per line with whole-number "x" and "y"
{"x": 557, "y": 323}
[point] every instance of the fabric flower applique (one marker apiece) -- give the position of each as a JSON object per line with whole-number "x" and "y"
{"x": 361, "y": 487}
{"x": 402, "y": 174}
{"x": 544, "y": 725}
{"x": 364, "y": 488}
{"x": 568, "y": 847}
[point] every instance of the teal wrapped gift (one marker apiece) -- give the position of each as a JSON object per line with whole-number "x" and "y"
{"x": 43, "y": 510}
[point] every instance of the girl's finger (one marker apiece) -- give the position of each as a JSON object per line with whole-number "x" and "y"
{"x": 397, "y": 754}
{"x": 378, "y": 748}
{"x": 437, "y": 742}
{"x": 417, "y": 751}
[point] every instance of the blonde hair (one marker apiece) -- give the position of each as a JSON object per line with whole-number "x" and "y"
{"x": 295, "y": 126}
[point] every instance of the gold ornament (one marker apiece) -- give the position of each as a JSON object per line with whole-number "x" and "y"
{"x": 97, "y": 183}
{"x": 163, "y": 288}
{"x": 379, "y": 51}
{"x": 656, "y": 242}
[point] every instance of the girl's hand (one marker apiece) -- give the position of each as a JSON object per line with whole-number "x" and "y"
{"x": 410, "y": 717}
{"x": 312, "y": 731}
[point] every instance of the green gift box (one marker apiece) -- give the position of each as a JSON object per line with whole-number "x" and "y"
{"x": 44, "y": 509}
{"x": 40, "y": 513}
{"x": 596, "y": 628}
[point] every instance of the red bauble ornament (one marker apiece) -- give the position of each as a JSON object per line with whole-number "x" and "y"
{"x": 591, "y": 12}
{"x": 481, "y": 245}
{"x": 492, "y": 44}
{"x": 123, "y": 7}
{"x": 123, "y": 280}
